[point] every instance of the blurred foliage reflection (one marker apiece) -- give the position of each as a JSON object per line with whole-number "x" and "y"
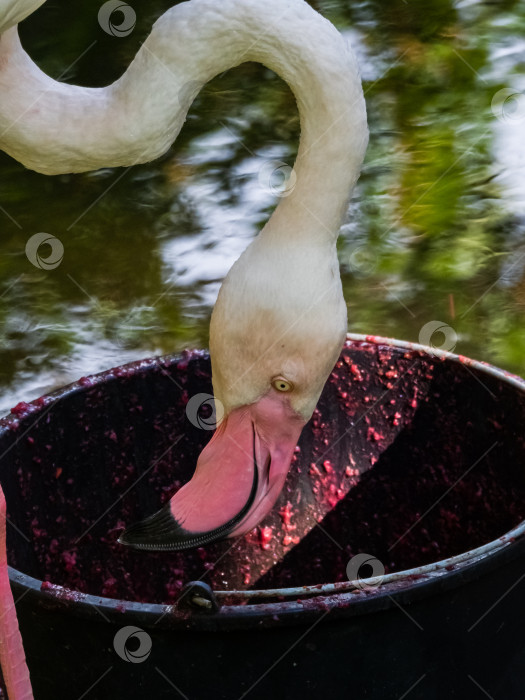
{"x": 436, "y": 227}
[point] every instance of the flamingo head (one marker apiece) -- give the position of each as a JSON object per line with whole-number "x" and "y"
{"x": 274, "y": 339}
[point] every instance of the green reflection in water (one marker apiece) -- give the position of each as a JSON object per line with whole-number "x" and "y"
{"x": 432, "y": 232}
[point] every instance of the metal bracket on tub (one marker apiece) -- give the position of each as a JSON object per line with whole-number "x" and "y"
{"x": 198, "y": 596}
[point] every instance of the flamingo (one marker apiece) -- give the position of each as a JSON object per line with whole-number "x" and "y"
{"x": 280, "y": 319}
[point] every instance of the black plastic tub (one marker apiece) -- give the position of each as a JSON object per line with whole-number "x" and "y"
{"x": 414, "y": 457}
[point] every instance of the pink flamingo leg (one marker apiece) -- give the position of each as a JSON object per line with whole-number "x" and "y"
{"x": 12, "y": 657}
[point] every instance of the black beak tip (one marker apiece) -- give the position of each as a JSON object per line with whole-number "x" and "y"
{"x": 159, "y": 531}
{"x": 162, "y": 532}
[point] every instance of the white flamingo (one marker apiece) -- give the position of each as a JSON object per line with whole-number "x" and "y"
{"x": 280, "y": 318}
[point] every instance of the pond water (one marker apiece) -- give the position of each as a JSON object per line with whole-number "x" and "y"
{"x": 435, "y": 230}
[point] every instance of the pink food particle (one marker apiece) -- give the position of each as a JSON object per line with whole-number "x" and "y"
{"x": 355, "y": 371}
{"x": 265, "y": 536}
{"x": 70, "y": 560}
{"x": 328, "y": 466}
{"x": 373, "y": 435}
{"x": 22, "y": 408}
{"x": 47, "y": 586}
{"x": 286, "y": 514}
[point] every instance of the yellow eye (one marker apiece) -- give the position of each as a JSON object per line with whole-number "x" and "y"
{"x": 282, "y": 384}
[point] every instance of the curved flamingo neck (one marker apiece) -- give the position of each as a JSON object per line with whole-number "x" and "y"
{"x": 14, "y": 11}
{"x": 12, "y": 657}
{"x": 54, "y": 127}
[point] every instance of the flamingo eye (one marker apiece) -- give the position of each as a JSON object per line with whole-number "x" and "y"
{"x": 282, "y": 384}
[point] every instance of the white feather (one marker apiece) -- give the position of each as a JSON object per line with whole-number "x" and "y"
{"x": 281, "y": 308}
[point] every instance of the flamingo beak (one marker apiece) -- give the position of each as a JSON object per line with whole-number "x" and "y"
{"x": 239, "y": 476}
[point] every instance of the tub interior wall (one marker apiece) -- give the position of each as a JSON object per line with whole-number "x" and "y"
{"x": 408, "y": 458}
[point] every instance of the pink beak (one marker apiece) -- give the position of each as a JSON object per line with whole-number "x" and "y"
{"x": 239, "y": 476}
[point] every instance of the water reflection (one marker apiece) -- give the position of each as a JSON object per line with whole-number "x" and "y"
{"x": 435, "y": 229}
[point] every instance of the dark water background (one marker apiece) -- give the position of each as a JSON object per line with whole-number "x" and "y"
{"x": 436, "y": 228}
